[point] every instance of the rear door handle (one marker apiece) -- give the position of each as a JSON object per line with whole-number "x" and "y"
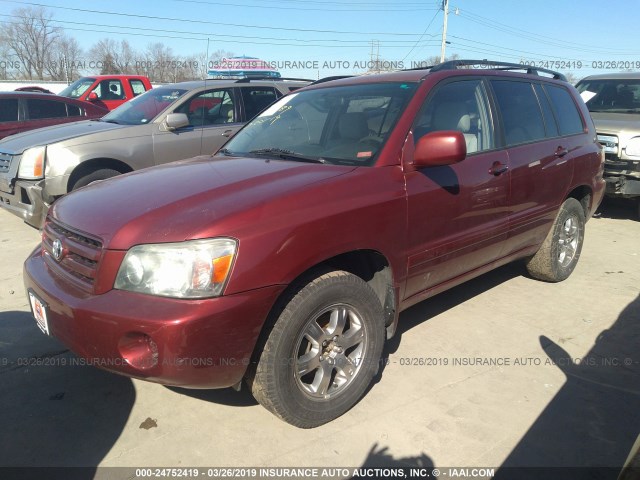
{"x": 227, "y": 133}
{"x": 498, "y": 168}
{"x": 561, "y": 152}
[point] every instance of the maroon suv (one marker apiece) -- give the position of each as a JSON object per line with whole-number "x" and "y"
{"x": 23, "y": 111}
{"x": 285, "y": 259}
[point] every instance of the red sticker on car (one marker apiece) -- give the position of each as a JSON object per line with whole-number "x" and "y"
{"x": 364, "y": 154}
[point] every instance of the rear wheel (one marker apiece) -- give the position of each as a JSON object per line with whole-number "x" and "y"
{"x": 323, "y": 351}
{"x": 95, "y": 176}
{"x": 560, "y": 251}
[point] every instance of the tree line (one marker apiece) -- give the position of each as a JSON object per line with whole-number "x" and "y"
{"x": 33, "y": 47}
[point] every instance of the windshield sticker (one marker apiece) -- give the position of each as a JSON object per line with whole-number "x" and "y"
{"x": 587, "y": 95}
{"x": 364, "y": 154}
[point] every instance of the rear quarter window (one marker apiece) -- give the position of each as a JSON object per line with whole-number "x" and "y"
{"x": 137, "y": 87}
{"x": 569, "y": 119}
{"x": 9, "y": 110}
{"x": 74, "y": 111}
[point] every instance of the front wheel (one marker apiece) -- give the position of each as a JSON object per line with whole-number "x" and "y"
{"x": 560, "y": 251}
{"x": 323, "y": 351}
{"x": 95, "y": 176}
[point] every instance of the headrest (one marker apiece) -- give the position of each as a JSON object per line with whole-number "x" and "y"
{"x": 353, "y": 126}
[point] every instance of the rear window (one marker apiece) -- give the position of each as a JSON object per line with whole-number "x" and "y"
{"x": 569, "y": 119}
{"x": 39, "y": 109}
{"x": 9, "y": 110}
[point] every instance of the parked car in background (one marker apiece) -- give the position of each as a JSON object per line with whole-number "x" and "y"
{"x": 162, "y": 125}
{"x": 107, "y": 91}
{"x": 286, "y": 258}
{"x": 33, "y": 88}
{"x": 614, "y": 103}
{"x": 22, "y": 111}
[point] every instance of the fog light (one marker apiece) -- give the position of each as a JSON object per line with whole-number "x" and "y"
{"x": 138, "y": 350}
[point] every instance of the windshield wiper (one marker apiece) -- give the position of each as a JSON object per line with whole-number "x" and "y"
{"x": 226, "y": 151}
{"x": 110, "y": 121}
{"x": 287, "y": 155}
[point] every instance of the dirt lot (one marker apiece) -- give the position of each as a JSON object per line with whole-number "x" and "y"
{"x": 502, "y": 371}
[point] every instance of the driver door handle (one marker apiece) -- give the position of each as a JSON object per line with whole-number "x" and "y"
{"x": 498, "y": 168}
{"x": 227, "y": 133}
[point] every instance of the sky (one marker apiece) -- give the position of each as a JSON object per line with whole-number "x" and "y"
{"x": 334, "y": 37}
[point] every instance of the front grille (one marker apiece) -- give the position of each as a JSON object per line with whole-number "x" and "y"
{"x": 80, "y": 254}
{"x": 5, "y": 162}
{"x": 610, "y": 144}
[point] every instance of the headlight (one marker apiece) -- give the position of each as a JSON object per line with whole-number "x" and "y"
{"x": 32, "y": 164}
{"x": 193, "y": 269}
{"x": 633, "y": 147}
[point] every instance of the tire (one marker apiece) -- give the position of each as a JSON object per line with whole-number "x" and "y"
{"x": 560, "y": 251}
{"x": 333, "y": 326}
{"x": 95, "y": 176}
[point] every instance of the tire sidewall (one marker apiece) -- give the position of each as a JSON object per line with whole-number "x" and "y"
{"x": 309, "y": 306}
{"x": 568, "y": 209}
{"x": 95, "y": 176}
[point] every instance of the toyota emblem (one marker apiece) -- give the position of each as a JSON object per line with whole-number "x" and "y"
{"x": 57, "y": 249}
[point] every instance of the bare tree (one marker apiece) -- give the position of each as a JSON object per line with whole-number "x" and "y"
{"x": 113, "y": 57}
{"x": 571, "y": 78}
{"x": 64, "y": 59}
{"x": 31, "y": 35}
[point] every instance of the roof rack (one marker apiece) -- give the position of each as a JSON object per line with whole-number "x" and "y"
{"x": 530, "y": 69}
{"x": 274, "y": 79}
{"x": 329, "y": 79}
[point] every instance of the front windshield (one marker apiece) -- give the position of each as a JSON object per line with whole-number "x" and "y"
{"x": 144, "y": 108}
{"x": 341, "y": 125}
{"x": 77, "y": 88}
{"x": 615, "y": 96}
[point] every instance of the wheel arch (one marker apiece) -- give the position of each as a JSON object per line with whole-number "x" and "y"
{"x": 584, "y": 195}
{"x": 370, "y": 265}
{"x": 86, "y": 167}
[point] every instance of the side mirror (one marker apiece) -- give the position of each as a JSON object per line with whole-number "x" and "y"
{"x": 175, "y": 121}
{"x": 93, "y": 97}
{"x": 435, "y": 149}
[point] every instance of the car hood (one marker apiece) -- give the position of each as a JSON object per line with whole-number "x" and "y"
{"x": 196, "y": 198}
{"x": 16, "y": 144}
{"x": 616, "y": 122}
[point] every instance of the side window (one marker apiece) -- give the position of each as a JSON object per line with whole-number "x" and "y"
{"x": 38, "y": 109}
{"x": 257, "y": 99}
{"x": 74, "y": 110}
{"x": 460, "y": 105}
{"x": 9, "y": 110}
{"x": 110, "y": 90}
{"x": 137, "y": 87}
{"x": 209, "y": 108}
{"x": 549, "y": 118}
{"x": 521, "y": 115}
{"x": 569, "y": 119}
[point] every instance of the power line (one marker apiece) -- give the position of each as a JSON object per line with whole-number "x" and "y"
{"x": 152, "y": 17}
{"x": 403, "y": 8}
{"x": 403, "y": 43}
{"x": 423, "y": 33}
{"x": 537, "y": 38}
{"x": 204, "y": 38}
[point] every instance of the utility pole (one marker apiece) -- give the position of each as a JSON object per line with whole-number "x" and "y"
{"x": 445, "y": 7}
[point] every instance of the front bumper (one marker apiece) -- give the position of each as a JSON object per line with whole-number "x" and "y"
{"x": 205, "y": 343}
{"x": 622, "y": 186}
{"x": 26, "y": 202}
